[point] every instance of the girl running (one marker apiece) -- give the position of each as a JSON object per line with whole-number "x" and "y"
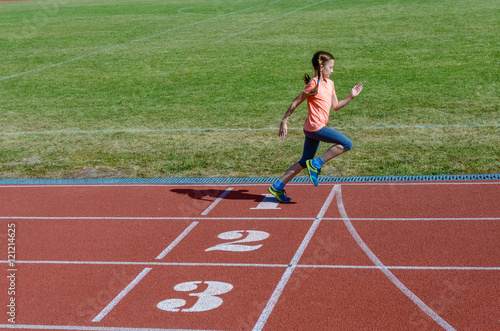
{"x": 321, "y": 97}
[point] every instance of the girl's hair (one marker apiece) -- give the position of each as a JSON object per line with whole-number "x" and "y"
{"x": 319, "y": 59}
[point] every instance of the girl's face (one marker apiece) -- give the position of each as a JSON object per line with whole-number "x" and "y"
{"x": 327, "y": 69}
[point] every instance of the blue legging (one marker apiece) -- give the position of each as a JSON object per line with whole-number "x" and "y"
{"x": 325, "y": 134}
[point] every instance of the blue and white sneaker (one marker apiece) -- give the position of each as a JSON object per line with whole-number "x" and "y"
{"x": 313, "y": 172}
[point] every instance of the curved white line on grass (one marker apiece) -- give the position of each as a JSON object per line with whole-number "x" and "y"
{"x": 102, "y": 50}
{"x": 111, "y": 131}
{"x": 431, "y": 313}
{"x": 269, "y": 21}
{"x": 181, "y": 11}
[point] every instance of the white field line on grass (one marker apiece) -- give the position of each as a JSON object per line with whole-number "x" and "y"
{"x": 268, "y": 21}
{"x": 146, "y": 131}
{"x": 426, "y": 309}
{"x": 183, "y": 10}
{"x": 105, "y": 49}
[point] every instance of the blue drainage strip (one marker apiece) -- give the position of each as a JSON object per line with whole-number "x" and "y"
{"x": 249, "y": 180}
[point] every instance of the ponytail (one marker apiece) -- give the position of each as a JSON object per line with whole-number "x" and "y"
{"x": 314, "y": 91}
{"x": 307, "y": 79}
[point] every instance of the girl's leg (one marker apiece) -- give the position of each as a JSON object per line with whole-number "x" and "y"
{"x": 277, "y": 189}
{"x": 310, "y": 148}
{"x": 291, "y": 172}
{"x": 329, "y": 135}
{"x": 333, "y": 152}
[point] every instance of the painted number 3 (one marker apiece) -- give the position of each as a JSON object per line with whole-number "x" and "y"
{"x": 207, "y": 300}
{"x": 244, "y": 237}
{"x": 242, "y": 241}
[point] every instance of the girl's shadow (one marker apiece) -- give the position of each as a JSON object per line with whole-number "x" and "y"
{"x": 209, "y": 195}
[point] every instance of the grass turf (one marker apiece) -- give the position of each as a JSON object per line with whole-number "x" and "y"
{"x": 130, "y": 88}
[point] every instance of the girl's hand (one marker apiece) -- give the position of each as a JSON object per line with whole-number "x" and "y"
{"x": 356, "y": 90}
{"x": 283, "y": 130}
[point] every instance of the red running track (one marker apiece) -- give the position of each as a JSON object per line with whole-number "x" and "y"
{"x": 354, "y": 256}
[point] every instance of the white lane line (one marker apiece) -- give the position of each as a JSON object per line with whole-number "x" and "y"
{"x": 293, "y": 264}
{"x": 83, "y": 328}
{"x": 180, "y": 218}
{"x": 268, "y": 203}
{"x": 176, "y": 241}
{"x": 216, "y": 202}
{"x": 154, "y": 218}
{"x": 257, "y": 265}
{"x": 398, "y": 267}
{"x": 431, "y": 313}
{"x": 121, "y": 295}
{"x": 417, "y": 219}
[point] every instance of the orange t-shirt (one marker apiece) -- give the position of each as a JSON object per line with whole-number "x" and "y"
{"x": 319, "y": 105}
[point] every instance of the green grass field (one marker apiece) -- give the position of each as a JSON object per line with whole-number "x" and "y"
{"x": 154, "y": 88}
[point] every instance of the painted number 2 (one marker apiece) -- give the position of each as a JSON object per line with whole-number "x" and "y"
{"x": 241, "y": 244}
{"x": 207, "y": 300}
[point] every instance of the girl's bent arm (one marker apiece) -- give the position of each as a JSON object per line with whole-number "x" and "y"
{"x": 336, "y": 105}
{"x": 283, "y": 127}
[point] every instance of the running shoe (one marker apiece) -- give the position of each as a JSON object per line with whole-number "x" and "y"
{"x": 279, "y": 194}
{"x": 313, "y": 172}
